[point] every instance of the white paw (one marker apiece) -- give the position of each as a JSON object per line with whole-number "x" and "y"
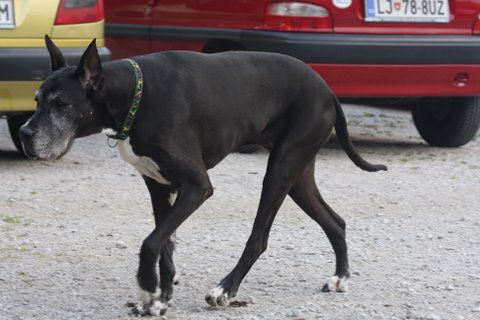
{"x": 149, "y": 304}
{"x": 147, "y": 297}
{"x": 157, "y": 308}
{"x": 216, "y": 297}
{"x": 176, "y": 279}
{"x": 336, "y": 284}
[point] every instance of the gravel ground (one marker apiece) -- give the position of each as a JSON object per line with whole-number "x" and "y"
{"x": 70, "y": 232}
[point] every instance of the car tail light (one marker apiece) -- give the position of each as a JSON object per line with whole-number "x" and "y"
{"x": 297, "y": 16}
{"x": 79, "y": 11}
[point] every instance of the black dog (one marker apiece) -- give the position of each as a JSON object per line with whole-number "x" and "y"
{"x": 194, "y": 110}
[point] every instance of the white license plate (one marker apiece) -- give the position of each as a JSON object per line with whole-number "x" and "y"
{"x": 407, "y": 10}
{"x": 7, "y": 18}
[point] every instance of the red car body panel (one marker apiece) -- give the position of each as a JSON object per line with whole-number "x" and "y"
{"x": 243, "y": 14}
{"x": 364, "y": 60}
{"x": 128, "y": 12}
{"x": 405, "y": 81}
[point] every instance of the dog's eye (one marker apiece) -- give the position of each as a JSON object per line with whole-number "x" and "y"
{"x": 59, "y": 102}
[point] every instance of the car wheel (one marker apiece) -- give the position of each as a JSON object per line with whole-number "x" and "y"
{"x": 447, "y": 122}
{"x": 15, "y": 121}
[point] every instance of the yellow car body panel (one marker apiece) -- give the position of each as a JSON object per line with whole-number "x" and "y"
{"x": 17, "y": 96}
{"x": 84, "y": 31}
{"x": 40, "y": 43}
{"x": 34, "y": 19}
{"x": 65, "y": 36}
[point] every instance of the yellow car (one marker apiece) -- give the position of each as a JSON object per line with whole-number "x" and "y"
{"x": 24, "y": 61}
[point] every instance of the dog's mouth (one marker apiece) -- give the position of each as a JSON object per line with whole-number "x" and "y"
{"x": 38, "y": 150}
{"x": 28, "y": 153}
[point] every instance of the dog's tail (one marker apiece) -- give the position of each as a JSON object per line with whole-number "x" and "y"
{"x": 346, "y": 142}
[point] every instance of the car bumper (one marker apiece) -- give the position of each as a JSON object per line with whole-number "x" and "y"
{"x": 24, "y": 69}
{"x": 382, "y": 65}
{"x": 367, "y": 49}
{"x": 33, "y": 64}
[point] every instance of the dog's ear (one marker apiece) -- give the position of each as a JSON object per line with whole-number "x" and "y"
{"x": 57, "y": 61}
{"x": 90, "y": 68}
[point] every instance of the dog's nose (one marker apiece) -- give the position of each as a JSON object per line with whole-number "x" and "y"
{"x": 26, "y": 133}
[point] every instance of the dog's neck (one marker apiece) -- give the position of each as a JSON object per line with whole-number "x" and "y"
{"x": 117, "y": 94}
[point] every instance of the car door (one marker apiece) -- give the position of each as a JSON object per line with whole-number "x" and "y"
{"x": 190, "y": 24}
{"x": 127, "y": 27}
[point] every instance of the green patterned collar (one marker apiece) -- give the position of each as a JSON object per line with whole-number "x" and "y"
{"x": 127, "y": 124}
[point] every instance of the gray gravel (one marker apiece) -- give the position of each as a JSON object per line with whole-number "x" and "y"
{"x": 70, "y": 232}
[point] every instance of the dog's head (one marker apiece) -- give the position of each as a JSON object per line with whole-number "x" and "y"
{"x": 67, "y": 105}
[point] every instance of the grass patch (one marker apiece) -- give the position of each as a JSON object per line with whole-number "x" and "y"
{"x": 391, "y": 124}
{"x": 11, "y": 219}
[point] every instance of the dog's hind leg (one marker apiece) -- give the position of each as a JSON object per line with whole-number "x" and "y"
{"x": 305, "y": 193}
{"x": 293, "y": 148}
{"x": 285, "y": 164}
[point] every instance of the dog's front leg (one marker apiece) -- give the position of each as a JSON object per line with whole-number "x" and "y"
{"x": 192, "y": 192}
{"x": 162, "y": 197}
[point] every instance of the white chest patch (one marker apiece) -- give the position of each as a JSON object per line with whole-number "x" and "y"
{"x": 145, "y": 165}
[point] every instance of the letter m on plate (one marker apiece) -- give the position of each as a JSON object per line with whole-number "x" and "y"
{"x": 6, "y": 14}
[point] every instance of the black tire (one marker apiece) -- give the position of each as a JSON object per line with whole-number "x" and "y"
{"x": 15, "y": 121}
{"x": 447, "y": 122}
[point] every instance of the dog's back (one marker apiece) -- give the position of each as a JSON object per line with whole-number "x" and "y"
{"x": 249, "y": 91}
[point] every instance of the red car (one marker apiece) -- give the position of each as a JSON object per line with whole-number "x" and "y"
{"x": 424, "y": 54}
